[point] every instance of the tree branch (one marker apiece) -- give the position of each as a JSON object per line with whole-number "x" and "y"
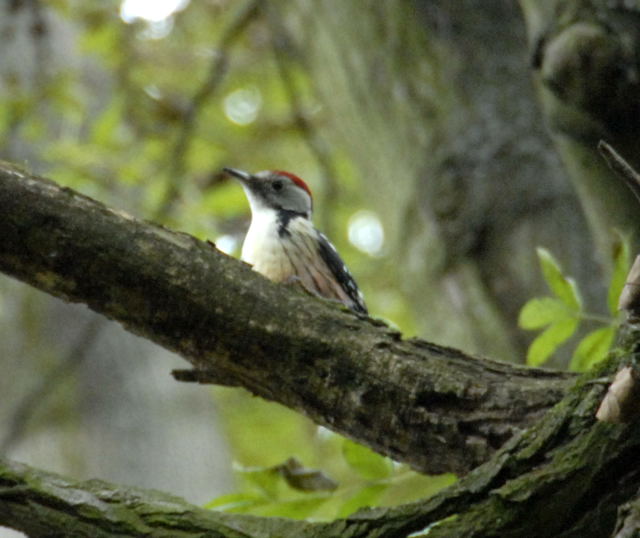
{"x": 43, "y": 504}
{"x": 431, "y": 407}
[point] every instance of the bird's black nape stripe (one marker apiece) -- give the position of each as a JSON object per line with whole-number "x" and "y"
{"x": 341, "y": 274}
{"x": 284, "y": 217}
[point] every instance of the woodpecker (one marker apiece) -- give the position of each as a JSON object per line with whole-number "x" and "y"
{"x": 282, "y": 242}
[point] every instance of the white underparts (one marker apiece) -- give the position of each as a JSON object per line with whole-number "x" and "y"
{"x": 290, "y": 256}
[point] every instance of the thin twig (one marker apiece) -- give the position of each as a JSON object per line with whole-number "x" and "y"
{"x": 217, "y": 70}
{"x": 205, "y": 377}
{"x": 621, "y": 167}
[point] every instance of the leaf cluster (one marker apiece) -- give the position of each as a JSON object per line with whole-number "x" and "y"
{"x": 560, "y": 314}
{"x": 345, "y": 476}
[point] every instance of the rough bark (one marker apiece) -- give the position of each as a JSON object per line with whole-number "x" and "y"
{"x": 431, "y": 407}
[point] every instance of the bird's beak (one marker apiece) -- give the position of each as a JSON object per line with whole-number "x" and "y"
{"x": 243, "y": 176}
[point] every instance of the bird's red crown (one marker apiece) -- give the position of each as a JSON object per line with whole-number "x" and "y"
{"x": 299, "y": 182}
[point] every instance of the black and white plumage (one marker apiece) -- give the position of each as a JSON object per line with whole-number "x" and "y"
{"x": 282, "y": 243}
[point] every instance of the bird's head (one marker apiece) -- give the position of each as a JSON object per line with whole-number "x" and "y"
{"x": 276, "y": 190}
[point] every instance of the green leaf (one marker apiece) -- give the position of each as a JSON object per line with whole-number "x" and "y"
{"x": 266, "y": 480}
{"x": 621, "y": 265}
{"x": 236, "y": 502}
{"x": 300, "y": 508}
{"x": 367, "y": 496}
{"x": 564, "y": 288}
{"x": 542, "y": 311}
{"x": 549, "y": 340}
{"x": 406, "y": 486}
{"x": 592, "y": 349}
{"x": 365, "y": 462}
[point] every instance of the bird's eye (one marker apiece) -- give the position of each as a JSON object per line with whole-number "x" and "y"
{"x": 277, "y": 185}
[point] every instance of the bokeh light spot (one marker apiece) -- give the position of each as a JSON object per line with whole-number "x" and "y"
{"x": 226, "y": 243}
{"x": 242, "y": 106}
{"x": 150, "y": 10}
{"x": 366, "y": 232}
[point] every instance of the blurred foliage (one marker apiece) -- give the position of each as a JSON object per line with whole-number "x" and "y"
{"x": 560, "y": 315}
{"x": 342, "y": 476}
{"x": 113, "y": 121}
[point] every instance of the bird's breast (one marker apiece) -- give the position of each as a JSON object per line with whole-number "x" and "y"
{"x": 263, "y": 249}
